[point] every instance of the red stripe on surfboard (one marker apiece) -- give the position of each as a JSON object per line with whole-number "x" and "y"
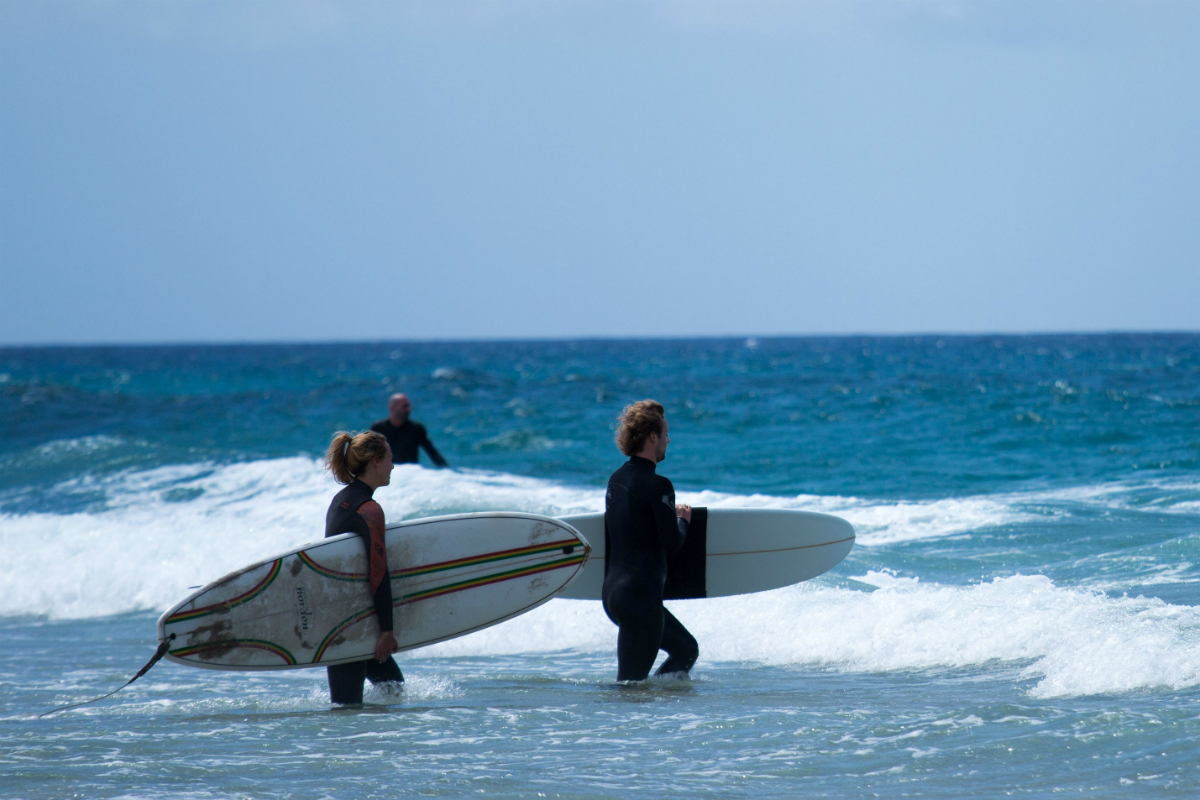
{"x": 416, "y": 598}
{"x": 498, "y": 554}
{"x": 181, "y": 616}
{"x": 440, "y": 565}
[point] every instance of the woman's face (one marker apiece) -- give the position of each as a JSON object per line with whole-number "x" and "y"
{"x": 379, "y": 473}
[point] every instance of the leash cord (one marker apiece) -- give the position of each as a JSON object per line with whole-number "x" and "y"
{"x": 158, "y": 654}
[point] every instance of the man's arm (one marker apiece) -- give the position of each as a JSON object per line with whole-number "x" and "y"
{"x": 672, "y": 530}
{"x": 434, "y": 455}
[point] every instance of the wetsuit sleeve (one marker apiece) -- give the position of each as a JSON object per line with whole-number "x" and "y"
{"x": 670, "y": 533}
{"x": 377, "y": 566}
{"x": 434, "y": 455}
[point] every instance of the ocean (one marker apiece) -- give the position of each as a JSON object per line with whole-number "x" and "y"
{"x": 1020, "y": 615}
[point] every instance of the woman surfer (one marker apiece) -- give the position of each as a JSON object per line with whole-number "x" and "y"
{"x": 364, "y": 463}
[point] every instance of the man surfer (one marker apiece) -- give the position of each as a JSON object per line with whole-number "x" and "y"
{"x": 364, "y": 462}
{"x": 643, "y": 527}
{"x": 404, "y": 435}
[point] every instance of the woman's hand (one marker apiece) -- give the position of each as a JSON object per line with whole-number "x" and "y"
{"x": 385, "y": 645}
{"x": 684, "y": 511}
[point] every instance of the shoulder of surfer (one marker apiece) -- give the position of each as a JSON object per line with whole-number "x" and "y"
{"x": 663, "y": 485}
{"x": 621, "y": 475}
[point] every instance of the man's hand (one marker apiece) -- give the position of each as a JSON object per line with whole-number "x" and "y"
{"x": 684, "y": 511}
{"x": 385, "y": 645}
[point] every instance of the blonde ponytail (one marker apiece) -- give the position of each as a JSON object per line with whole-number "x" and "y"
{"x": 349, "y": 453}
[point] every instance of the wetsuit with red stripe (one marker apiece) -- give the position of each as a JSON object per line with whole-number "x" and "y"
{"x": 353, "y": 511}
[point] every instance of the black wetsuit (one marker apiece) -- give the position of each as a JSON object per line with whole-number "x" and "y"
{"x": 405, "y": 439}
{"x": 346, "y": 680}
{"x": 641, "y": 532}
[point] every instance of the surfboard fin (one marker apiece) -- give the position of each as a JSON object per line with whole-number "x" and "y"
{"x": 158, "y": 654}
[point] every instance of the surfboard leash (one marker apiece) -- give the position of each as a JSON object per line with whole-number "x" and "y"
{"x": 158, "y": 654}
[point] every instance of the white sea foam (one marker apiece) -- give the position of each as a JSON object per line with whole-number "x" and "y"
{"x": 1155, "y": 495}
{"x": 157, "y": 532}
{"x": 74, "y": 448}
{"x": 879, "y": 522}
{"x": 161, "y": 531}
{"x": 1072, "y": 642}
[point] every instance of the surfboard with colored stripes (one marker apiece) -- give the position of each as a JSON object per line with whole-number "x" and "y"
{"x": 732, "y": 551}
{"x": 311, "y": 606}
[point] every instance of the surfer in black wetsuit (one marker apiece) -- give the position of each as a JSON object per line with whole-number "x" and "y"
{"x": 643, "y": 527}
{"x": 404, "y": 435}
{"x": 365, "y": 463}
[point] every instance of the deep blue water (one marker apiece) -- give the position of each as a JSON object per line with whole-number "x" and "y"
{"x": 1021, "y": 611}
{"x": 896, "y": 416}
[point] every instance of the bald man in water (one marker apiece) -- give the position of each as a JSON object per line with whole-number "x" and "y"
{"x": 405, "y": 435}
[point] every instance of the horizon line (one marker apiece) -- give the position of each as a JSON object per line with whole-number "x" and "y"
{"x": 596, "y": 338}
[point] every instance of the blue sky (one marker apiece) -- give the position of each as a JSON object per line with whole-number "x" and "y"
{"x": 311, "y": 171}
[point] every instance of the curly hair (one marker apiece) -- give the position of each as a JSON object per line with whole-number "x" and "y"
{"x": 350, "y": 453}
{"x": 637, "y": 422}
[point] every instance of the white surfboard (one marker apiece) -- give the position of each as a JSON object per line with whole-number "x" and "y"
{"x": 732, "y": 551}
{"x": 312, "y": 607}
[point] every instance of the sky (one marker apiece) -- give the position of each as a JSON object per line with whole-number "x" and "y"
{"x": 320, "y": 171}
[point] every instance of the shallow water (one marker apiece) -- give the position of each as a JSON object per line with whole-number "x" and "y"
{"x": 553, "y": 723}
{"x": 1020, "y": 613}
